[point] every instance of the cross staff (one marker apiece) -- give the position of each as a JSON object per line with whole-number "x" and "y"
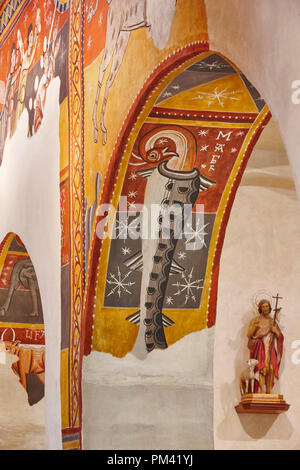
{"x": 276, "y": 309}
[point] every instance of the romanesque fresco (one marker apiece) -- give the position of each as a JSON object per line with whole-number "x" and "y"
{"x": 149, "y": 120}
{"x": 34, "y": 103}
{"x": 187, "y": 149}
{"x": 136, "y": 29}
{"x": 21, "y": 316}
{"x": 35, "y": 50}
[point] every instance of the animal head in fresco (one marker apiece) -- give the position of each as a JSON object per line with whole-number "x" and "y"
{"x": 173, "y": 143}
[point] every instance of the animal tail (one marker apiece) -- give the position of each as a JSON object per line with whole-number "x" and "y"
{"x": 135, "y": 318}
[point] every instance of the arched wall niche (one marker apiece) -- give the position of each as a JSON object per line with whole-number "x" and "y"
{"x": 264, "y": 50}
{"x": 224, "y": 115}
{"x": 22, "y": 344}
{"x": 256, "y": 263}
{"x": 209, "y": 101}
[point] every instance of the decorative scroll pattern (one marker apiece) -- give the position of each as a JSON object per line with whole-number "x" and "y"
{"x": 76, "y": 216}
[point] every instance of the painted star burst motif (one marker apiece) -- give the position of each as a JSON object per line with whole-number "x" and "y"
{"x": 125, "y": 229}
{"x": 187, "y": 286}
{"x": 162, "y": 141}
{"x": 132, "y": 194}
{"x": 133, "y": 176}
{"x": 197, "y": 234}
{"x": 118, "y": 284}
{"x": 181, "y": 255}
{"x": 217, "y": 64}
{"x": 131, "y": 205}
{"x": 217, "y": 96}
{"x": 90, "y": 42}
{"x": 126, "y": 250}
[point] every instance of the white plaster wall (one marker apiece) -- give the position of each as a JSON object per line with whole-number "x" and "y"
{"x": 262, "y": 240}
{"x": 22, "y": 427}
{"x": 30, "y": 207}
{"x": 260, "y": 253}
{"x": 162, "y": 402}
{"x": 262, "y": 37}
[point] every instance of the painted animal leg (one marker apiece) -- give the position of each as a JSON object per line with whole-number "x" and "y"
{"x": 119, "y": 52}
{"x": 114, "y": 24}
{"x": 13, "y": 285}
{"x": 105, "y": 61}
{"x": 33, "y": 291}
{"x": 92, "y": 11}
{"x": 6, "y": 305}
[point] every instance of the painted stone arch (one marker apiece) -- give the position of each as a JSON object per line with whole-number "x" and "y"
{"x": 187, "y": 139}
{"x": 21, "y": 317}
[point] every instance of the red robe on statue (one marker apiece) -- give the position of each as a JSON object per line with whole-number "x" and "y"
{"x": 257, "y": 351}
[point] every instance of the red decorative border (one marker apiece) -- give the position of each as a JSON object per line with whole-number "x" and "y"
{"x": 151, "y": 83}
{"x": 76, "y": 216}
{"x": 211, "y": 318}
{"x": 33, "y": 336}
{"x": 187, "y": 115}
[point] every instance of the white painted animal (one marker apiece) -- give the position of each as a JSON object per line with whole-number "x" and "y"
{"x": 91, "y": 11}
{"x": 248, "y": 376}
{"x": 123, "y": 17}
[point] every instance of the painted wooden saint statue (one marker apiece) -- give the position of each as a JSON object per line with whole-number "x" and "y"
{"x": 266, "y": 345}
{"x": 265, "y": 342}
